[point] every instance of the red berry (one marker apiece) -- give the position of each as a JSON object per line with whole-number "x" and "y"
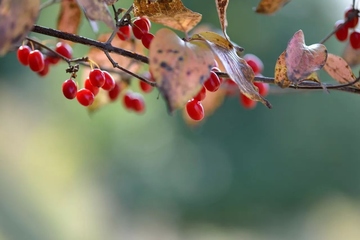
{"x": 46, "y": 69}
{"x": 127, "y": 100}
{"x": 109, "y": 81}
{"x": 23, "y": 54}
{"x": 342, "y": 30}
{"x": 64, "y": 49}
{"x": 93, "y": 89}
{"x": 36, "y": 61}
{"x": 114, "y": 93}
{"x": 52, "y": 59}
{"x": 146, "y": 39}
{"x": 212, "y": 84}
{"x": 124, "y": 32}
{"x": 247, "y": 102}
{"x": 147, "y": 21}
{"x": 201, "y": 94}
{"x": 355, "y": 39}
{"x": 137, "y": 103}
{"x": 195, "y": 110}
{"x": 139, "y": 27}
{"x": 145, "y": 87}
{"x": 85, "y": 97}
{"x": 263, "y": 88}
{"x": 353, "y": 14}
{"x": 254, "y": 62}
{"x": 97, "y": 77}
{"x": 69, "y": 89}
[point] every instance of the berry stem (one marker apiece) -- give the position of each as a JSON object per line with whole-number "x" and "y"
{"x": 335, "y": 30}
{"x": 126, "y": 17}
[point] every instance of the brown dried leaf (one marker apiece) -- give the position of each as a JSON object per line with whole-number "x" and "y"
{"x": 170, "y": 13}
{"x": 178, "y": 67}
{"x": 351, "y": 55}
{"x": 221, "y": 6}
{"x": 97, "y": 10}
{"x": 16, "y": 20}
{"x": 302, "y": 60}
{"x": 270, "y": 6}
{"x": 236, "y": 67}
{"x": 339, "y": 70}
{"x": 110, "y": 2}
{"x": 69, "y": 17}
{"x": 100, "y": 58}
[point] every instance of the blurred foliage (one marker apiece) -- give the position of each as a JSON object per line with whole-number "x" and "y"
{"x": 260, "y": 174}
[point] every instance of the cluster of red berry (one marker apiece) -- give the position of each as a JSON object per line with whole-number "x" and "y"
{"x": 140, "y": 28}
{"x": 37, "y": 62}
{"x": 343, "y": 27}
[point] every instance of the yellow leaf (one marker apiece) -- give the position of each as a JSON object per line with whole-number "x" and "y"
{"x": 236, "y": 67}
{"x": 16, "y": 20}
{"x": 339, "y": 70}
{"x": 178, "y": 67}
{"x": 270, "y": 6}
{"x": 170, "y": 13}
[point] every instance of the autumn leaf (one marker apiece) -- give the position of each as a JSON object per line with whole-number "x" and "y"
{"x": 270, "y": 6}
{"x": 110, "y": 2}
{"x": 178, "y": 67}
{"x": 16, "y": 20}
{"x": 221, "y": 6}
{"x": 236, "y": 67}
{"x": 302, "y": 60}
{"x": 339, "y": 70}
{"x": 69, "y": 17}
{"x": 97, "y": 10}
{"x": 172, "y": 13}
{"x": 351, "y": 55}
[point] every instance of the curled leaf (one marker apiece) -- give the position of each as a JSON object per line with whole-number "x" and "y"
{"x": 172, "y": 13}
{"x": 221, "y": 6}
{"x": 97, "y": 10}
{"x": 69, "y": 17}
{"x": 339, "y": 70}
{"x": 270, "y": 6}
{"x": 302, "y": 60}
{"x": 16, "y": 20}
{"x": 178, "y": 67}
{"x": 236, "y": 67}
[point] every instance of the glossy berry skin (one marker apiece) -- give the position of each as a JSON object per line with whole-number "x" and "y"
{"x": 64, "y": 49}
{"x": 195, "y": 110}
{"x": 263, "y": 88}
{"x": 23, "y": 54}
{"x": 139, "y": 27}
{"x": 254, "y": 62}
{"x": 36, "y": 61}
{"x": 342, "y": 30}
{"x": 46, "y": 69}
{"x": 146, "y": 39}
{"x": 147, "y": 21}
{"x": 145, "y": 87}
{"x": 124, "y": 32}
{"x": 201, "y": 94}
{"x": 109, "y": 81}
{"x": 85, "y": 97}
{"x": 93, "y": 89}
{"x": 352, "y": 13}
{"x": 212, "y": 84}
{"x": 355, "y": 39}
{"x": 247, "y": 102}
{"x": 69, "y": 89}
{"x": 97, "y": 77}
{"x": 114, "y": 93}
{"x": 137, "y": 103}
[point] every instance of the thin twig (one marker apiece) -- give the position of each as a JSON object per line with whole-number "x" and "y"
{"x": 125, "y": 16}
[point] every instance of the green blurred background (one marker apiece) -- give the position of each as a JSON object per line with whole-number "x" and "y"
{"x": 292, "y": 172}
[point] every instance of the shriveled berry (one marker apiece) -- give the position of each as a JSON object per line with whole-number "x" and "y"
{"x": 254, "y": 62}
{"x": 23, "y": 54}
{"x": 355, "y": 39}
{"x": 352, "y": 14}
{"x": 64, "y": 49}
{"x": 342, "y": 31}
{"x": 201, "y": 94}
{"x": 195, "y": 110}
{"x": 139, "y": 27}
{"x": 97, "y": 77}
{"x": 114, "y": 93}
{"x": 109, "y": 81}
{"x": 263, "y": 88}
{"x": 212, "y": 84}
{"x": 36, "y": 61}
{"x": 146, "y": 39}
{"x": 247, "y": 102}
{"x": 93, "y": 89}
{"x": 69, "y": 89}
{"x": 124, "y": 32}
{"x": 85, "y": 97}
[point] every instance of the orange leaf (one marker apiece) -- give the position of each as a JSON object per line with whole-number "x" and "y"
{"x": 270, "y": 6}
{"x": 69, "y": 17}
